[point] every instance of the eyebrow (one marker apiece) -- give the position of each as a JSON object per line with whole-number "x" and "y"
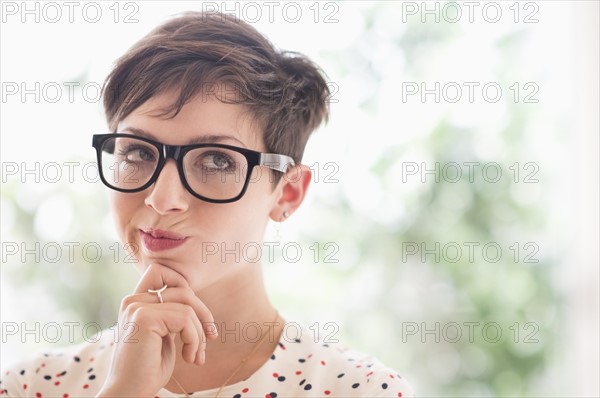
{"x": 205, "y": 139}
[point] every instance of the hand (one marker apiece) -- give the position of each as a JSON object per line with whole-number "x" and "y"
{"x": 145, "y": 355}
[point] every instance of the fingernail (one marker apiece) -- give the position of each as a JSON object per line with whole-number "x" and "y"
{"x": 211, "y": 330}
{"x": 202, "y": 357}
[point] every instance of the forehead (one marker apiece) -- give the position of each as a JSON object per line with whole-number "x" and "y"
{"x": 204, "y": 115}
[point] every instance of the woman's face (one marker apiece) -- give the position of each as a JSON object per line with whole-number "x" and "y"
{"x": 218, "y": 238}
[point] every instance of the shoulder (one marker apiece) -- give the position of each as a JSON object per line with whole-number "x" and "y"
{"x": 326, "y": 367}
{"x": 76, "y": 370}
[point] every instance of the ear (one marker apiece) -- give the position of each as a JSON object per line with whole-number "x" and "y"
{"x": 292, "y": 190}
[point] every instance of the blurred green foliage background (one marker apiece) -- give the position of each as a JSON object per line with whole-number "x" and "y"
{"x": 405, "y": 307}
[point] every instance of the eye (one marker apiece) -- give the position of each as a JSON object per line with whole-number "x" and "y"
{"x": 137, "y": 154}
{"x": 216, "y": 160}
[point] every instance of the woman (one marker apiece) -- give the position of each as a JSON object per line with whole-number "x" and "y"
{"x": 209, "y": 124}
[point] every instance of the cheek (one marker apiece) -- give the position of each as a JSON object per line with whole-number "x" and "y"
{"x": 260, "y": 185}
{"x": 254, "y": 207}
{"x": 123, "y": 207}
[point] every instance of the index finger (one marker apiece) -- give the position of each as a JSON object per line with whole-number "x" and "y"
{"x": 157, "y": 275}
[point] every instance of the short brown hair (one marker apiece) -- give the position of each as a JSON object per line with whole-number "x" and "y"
{"x": 284, "y": 91}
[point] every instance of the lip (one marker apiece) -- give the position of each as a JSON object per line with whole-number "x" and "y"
{"x": 159, "y": 240}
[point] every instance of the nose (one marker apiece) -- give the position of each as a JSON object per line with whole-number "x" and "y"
{"x": 168, "y": 195}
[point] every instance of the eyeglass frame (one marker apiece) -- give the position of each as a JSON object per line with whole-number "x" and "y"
{"x": 273, "y": 161}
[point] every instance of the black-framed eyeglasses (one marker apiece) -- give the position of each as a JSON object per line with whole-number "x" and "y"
{"x": 215, "y": 173}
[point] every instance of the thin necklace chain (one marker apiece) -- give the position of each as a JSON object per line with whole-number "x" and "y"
{"x": 242, "y": 363}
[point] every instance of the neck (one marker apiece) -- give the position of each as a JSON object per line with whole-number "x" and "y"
{"x": 238, "y": 302}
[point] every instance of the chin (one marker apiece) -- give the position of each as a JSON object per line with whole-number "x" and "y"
{"x": 183, "y": 264}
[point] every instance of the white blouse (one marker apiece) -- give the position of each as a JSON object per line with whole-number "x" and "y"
{"x": 300, "y": 366}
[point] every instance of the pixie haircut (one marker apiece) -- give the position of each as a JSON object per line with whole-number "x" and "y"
{"x": 284, "y": 91}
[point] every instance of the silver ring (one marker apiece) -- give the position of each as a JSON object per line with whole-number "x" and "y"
{"x": 158, "y": 292}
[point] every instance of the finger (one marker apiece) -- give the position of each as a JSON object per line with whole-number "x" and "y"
{"x": 182, "y": 319}
{"x": 168, "y": 318}
{"x": 191, "y": 341}
{"x": 187, "y": 296}
{"x": 157, "y": 275}
{"x": 179, "y": 295}
{"x": 200, "y": 357}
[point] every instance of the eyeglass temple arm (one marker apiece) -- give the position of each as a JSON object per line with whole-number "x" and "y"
{"x": 276, "y": 161}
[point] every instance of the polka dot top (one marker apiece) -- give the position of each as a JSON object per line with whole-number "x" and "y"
{"x": 302, "y": 365}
